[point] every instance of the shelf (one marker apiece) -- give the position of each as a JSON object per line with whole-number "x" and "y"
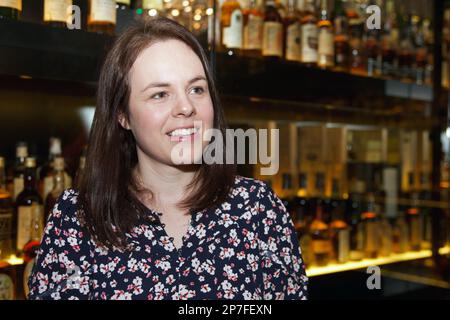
{"x": 395, "y": 258}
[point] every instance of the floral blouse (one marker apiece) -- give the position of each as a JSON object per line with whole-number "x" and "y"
{"x": 245, "y": 249}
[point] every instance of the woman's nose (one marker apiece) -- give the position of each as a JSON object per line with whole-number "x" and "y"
{"x": 183, "y": 106}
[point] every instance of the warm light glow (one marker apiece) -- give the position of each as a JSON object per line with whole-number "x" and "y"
{"x": 152, "y": 12}
{"x": 198, "y": 11}
{"x": 14, "y": 261}
{"x": 197, "y": 25}
{"x": 185, "y": 3}
{"x": 354, "y": 265}
{"x": 301, "y": 193}
{"x": 209, "y": 11}
{"x": 197, "y": 17}
{"x": 175, "y": 12}
{"x": 188, "y": 9}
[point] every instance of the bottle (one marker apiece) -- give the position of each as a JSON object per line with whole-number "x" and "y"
{"x": 102, "y": 16}
{"x": 19, "y": 168}
{"x": 400, "y": 235}
{"x": 253, "y": 28}
{"x": 29, "y": 205}
{"x": 389, "y": 41}
{"x": 58, "y": 186}
{"x": 372, "y": 52}
{"x": 10, "y": 9}
{"x": 272, "y": 45}
{"x": 406, "y": 50}
{"x": 370, "y": 227}
{"x": 30, "y": 249}
{"x": 341, "y": 38}
{"x": 309, "y": 35}
{"x": 8, "y": 274}
{"x": 292, "y": 42}
{"x": 320, "y": 238}
{"x": 232, "y": 27}
{"x": 46, "y": 171}
{"x": 80, "y": 170}
{"x": 6, "y": 216}
{"x": 302, "y": 220}
{"x": 339, "y": 230}
{"x": 354, "y": 208}
{"x": 356, "y": 29}
{"x": 55, "y": 12}
{"x": 421, "y": 56}
{"x": 326, "y": 38}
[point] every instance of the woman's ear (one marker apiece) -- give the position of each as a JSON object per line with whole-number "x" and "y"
{"x": 123, "y": 121}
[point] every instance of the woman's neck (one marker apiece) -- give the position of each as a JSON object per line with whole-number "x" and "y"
{"x": 168, "y": 184}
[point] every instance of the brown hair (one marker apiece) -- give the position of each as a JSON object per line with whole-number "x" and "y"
{"x": 106, "y": 190}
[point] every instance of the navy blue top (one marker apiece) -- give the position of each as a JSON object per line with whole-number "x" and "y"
{"x": 245, "y": 249}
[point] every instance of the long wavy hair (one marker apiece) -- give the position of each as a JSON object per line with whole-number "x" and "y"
{"x": 107, "y": 189}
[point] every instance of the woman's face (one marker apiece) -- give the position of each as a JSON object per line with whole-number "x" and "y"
{"x": 169, "y": 92}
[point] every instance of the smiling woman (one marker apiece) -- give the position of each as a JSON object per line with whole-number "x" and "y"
{"x": 140, "y": 226}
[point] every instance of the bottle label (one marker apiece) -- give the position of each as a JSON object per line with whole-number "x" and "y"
{"x": 152, "y": 4}
{"x": 232, "y": 35}
{"x": 253, "y": 33}
{"x": 25, "y": 216}
{"x": 15, "y": 4}
{"x": 272, "y": 39}
{"x": 326, "y": 42}
{"x": 103, "y": 10}
{"x": 18, "y": 185}
{"x": 6, "y": 287}
{"x": 309, "y": 43}
{"x": 321, "y": 246}
{"x": 343, "y": 245}
{"x": 48, "y": 186}
{"x": 56, "y": 10}
{"x": 293, "y": 42}
{"x": 5, "y": 226}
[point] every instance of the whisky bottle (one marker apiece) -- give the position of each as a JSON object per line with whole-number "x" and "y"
{"x": 253, "y": 28}
{"x": 356, "y": 29}
{"x": 354, "y": 208}
{"x": 80, "y": 171}
{"x": 102, "y": 16}
{"x": 232, "y": 27}
{"x": 19, "y": 168}
{"x": 339, "y": 229}
{"x": 292, "y": 42}
{"x": 389, "y": 41}
{"x": 341, "y": 38}
{"x": 370, "y": 227}
{"x": 29, "y": 205}
{"x": 406, "y": 51}
{"x": 326, "y": 38}
{"x": 46, "y": 171}
{"x": 56, "y": 12}
{"x": 10, "y": 9}
{"x": 58, "y": 186}
{"x": 320, "y": 238}
{"x": 309, "y": 35}
{"x": 400, "y": 239}
{"x": 272, "y": 45}
{"x": 6, "y": 216}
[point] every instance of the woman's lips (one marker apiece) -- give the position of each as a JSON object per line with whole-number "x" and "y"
{"x": 189, "y": 137}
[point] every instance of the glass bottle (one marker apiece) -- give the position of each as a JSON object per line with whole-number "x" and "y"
{"x": 253, "y": 28}
{"x": 10, "y": 9}
{"x": 272, "y": 45}
{"x": 46, "y": 171}
{"x": 58, "y": 186}
{"x": 19, "y": 168}
{"x": 232, "y": 27}
{"x": 28, "y": 205}
{"x": 6, "y": 216}
{"x": 341, "y": 38}
{"x": 326, "y": 38}
{"x": 102, "y": 16}
{"x": 309, "y": 35}
{"x": 292, "y": 41}
{"x": 55, "y": 12}
{"x": 339, "y": 229}
{"x": 320, "y": 238}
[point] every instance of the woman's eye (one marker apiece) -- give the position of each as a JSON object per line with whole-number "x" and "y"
{"x": 197, "y": 90}
{"x": 159, "y": 95}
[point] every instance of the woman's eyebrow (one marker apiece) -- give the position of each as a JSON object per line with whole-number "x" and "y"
{"x": 165, "y": 84}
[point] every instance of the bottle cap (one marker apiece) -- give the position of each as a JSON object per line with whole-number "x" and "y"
{"x": 30, "y": 162}
{"x": 21, "y": 150}
{"x": 55, "y": 146}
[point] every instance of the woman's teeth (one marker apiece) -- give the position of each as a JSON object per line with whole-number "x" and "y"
{"x": 182, "y": 132}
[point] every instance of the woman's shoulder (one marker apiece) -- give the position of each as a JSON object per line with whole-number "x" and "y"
{"x": 255, "y": 188}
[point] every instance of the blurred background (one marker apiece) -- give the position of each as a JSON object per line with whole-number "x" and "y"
{"x": 362, "y": 113}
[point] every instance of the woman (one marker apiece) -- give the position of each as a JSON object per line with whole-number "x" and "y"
{"x": 141, "y": 226}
